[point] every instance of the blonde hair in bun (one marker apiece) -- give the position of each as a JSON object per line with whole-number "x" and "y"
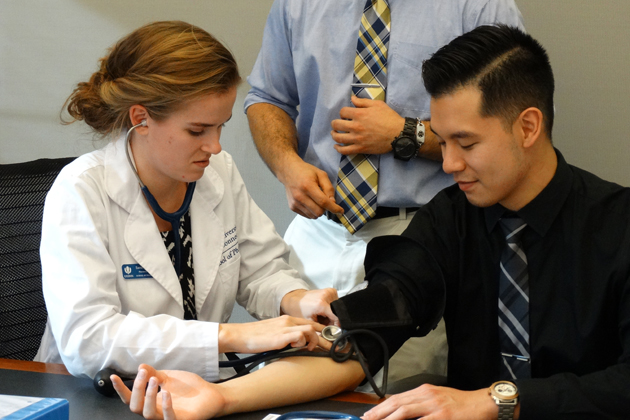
{"x": 160, "y": 66}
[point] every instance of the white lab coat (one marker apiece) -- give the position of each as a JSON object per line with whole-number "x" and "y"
{"x": 96, "y": 221}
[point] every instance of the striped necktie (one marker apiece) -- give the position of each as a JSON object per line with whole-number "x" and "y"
{"x": 514, "y": 303}
{"x": 357, "y": 178}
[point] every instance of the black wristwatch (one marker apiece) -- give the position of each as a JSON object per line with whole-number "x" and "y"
{"x": 410, "y": 140}
{"x": 505, "y": 395}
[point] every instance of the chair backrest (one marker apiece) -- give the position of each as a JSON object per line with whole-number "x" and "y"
{"x": 23, "y": 189}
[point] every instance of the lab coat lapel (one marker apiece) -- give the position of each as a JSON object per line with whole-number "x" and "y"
{"x": 207, "y": 233}
{"x": 120, "y": 181}
{"x": 145, "y": 244}
{"x": 141, "y": 236}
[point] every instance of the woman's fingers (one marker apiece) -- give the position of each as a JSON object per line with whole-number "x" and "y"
{"x": 136, "y": 403}
{"x": 167, "y": 406}
{"x": 150, "y": 410}
{"x": 270, "y": 334}
{"x": 121, "y": 389}
{"x": 299, "y": 332}
{"x": 305, "y": 336}
{"x": 145, "y": 398}
{"x": 152, "y": 372}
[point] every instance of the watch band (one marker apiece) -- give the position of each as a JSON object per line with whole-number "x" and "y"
{"x": 420, "y": 135}
{"x": 506, "y": 412}
{"x": 410, "y": 128}
{"x": 505, "y": 395}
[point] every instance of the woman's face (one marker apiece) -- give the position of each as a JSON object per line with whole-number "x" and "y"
{"x": 179, "y": 147}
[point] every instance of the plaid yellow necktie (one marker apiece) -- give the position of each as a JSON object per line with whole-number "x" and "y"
{"x": 357, "y": 178}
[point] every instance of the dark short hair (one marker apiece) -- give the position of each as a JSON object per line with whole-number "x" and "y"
{"x": 510, "y": 68}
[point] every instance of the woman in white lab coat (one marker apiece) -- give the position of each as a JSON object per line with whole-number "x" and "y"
{"x": 121, "y": 289}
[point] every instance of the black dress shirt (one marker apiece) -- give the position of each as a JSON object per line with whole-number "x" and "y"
{"x": 578, "y": 248}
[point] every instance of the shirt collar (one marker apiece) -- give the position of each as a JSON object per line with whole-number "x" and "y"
{"x": 540, "y": 213}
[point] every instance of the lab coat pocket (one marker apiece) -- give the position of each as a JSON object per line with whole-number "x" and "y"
{"x": 227, "y": 286}
{"x": 229, "y": 266}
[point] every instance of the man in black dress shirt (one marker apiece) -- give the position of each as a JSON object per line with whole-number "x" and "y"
{"x": 492, "y": 110}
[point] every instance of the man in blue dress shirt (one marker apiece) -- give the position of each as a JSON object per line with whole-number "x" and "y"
{"x": 303, "y": 119}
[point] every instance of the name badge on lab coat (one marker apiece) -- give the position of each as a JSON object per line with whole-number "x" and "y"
{"x": 134, "y": 271}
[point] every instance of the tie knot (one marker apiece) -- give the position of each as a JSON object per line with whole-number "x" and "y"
{"x": 512, "y": 227}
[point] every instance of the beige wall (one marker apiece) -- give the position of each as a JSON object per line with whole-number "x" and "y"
{"x": 589, "y": 47}
{"x": 46, "y": 47}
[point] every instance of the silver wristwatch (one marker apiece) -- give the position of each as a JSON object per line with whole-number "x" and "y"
{"x": 505, "y": 395}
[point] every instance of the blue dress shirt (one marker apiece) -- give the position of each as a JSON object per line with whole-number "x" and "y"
{"x": 306, "y": 63}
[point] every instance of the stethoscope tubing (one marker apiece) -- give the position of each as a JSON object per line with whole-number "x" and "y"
{"x": 324, "y": 415}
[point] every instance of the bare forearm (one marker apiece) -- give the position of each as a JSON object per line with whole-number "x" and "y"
{"x": 274, "y": 134}
{"x": 309, "y": 190}
{"x": 290, "y": 381}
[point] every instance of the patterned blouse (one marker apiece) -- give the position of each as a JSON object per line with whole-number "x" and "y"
{"x": 187, "y": 276}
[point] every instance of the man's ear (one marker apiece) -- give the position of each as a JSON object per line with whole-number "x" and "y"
{"x": 530, "y": 126}
{"x": 137, "y": 114}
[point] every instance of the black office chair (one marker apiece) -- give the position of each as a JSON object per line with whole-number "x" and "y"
{"x": 23, "y": 188}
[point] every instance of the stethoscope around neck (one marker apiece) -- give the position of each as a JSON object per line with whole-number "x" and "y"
{"x": 173, "y": 218}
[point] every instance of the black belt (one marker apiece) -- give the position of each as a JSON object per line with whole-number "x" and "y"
{"x": 381, "y": 212}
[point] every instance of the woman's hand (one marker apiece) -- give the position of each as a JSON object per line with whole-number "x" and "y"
{"x": 270, "y": 334}
{"x": 184, "y": 393}
{"x": 311, "y": 304}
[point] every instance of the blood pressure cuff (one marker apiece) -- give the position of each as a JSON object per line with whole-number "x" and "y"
{"x": 404, "y": 298}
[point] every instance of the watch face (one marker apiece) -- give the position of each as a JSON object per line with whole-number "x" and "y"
{"x": 505, "y": 389}
{"x": 405, "y": 148}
